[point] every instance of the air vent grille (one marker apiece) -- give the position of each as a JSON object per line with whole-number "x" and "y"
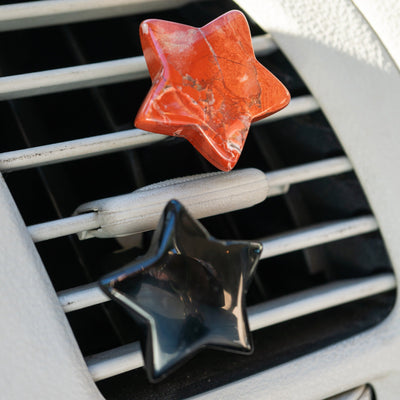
{"x": 313, "y": 287}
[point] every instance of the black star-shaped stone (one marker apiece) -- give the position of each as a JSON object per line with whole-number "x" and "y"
{"x": 188, "y": 292}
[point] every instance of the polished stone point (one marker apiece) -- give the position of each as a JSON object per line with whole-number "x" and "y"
{"x": 207, "y": 85}
{"x": 187, "y": 293}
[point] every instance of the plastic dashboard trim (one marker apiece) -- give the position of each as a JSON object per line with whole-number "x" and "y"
{"x": 37, "y": 340}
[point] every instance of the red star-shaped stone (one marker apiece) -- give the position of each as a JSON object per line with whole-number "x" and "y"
{"x": 207, "y": 85}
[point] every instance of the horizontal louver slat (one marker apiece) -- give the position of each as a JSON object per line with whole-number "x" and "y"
{"x": 319, "y": 169}
{"x": 128, "y": 357}
{"x": 87, "y": 75}
{"x": 89, "y": 295}
{"x": 112, "y": 142}
{"x": 36, "y": 14}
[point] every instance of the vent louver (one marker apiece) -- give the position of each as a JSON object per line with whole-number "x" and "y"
{"x": 313, "y": 197}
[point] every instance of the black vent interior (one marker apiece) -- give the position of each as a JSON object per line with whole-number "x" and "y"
{"x": 55, "y": 191}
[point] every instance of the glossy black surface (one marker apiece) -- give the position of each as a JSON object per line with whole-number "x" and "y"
{"x": 188, "y": 292}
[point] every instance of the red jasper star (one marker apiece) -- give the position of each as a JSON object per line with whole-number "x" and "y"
{"x": 207, "y": 85}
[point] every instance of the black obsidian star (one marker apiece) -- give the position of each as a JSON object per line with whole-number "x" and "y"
{"x": 188, "y": 292}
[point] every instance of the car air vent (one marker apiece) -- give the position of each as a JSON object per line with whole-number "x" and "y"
{"x": 73, "y": 79}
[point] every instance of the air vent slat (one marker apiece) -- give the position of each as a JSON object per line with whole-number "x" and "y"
{"x": 89, "y": 295}
{"x": 70, "y": 225}
{"x": 112, "y": 142}
{"x": 76, "y": 149}
{"x": 81, "y": 297}
{"x": 298, "y": 105}
{"x": 306, "y": 172}
{"x": 87, "y": 75}
{"x": 77, "y": 77}
{"x": 126, "y": 358}
{"x": 324, "y": 233}
{"x": 53, "y": 12}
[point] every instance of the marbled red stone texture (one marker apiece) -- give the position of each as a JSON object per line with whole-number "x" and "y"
{"x": 207, "y": 85}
